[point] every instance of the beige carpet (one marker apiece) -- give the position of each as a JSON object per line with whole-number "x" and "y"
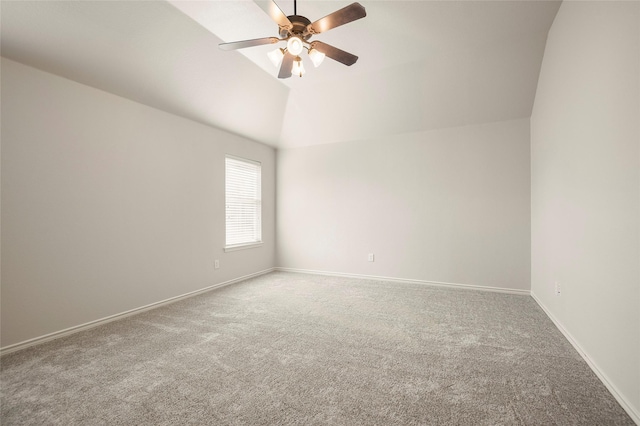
{"x": 298, "y": 349}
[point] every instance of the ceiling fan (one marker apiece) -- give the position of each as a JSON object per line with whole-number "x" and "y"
{"x": 296, "y": 30}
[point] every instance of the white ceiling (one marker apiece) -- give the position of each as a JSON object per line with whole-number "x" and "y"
{"x": 423, "y": 64}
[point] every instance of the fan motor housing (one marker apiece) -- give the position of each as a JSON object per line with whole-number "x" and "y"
{"x": 299, "y": 29}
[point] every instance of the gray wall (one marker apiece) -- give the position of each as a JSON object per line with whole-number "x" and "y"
{"x": 586, "y": 186}
{"x": 109, "y": 205}
{"x": 450, "y": 205}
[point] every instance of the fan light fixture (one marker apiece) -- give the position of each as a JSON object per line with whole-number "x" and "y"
{"x": 298, "y": 68}
{"x": 316, "y": 57}
{"x": 276, "y": 57}
{"x": 294, "y": 45}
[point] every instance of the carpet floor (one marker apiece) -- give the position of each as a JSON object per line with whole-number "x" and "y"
{"x": 287, "y": 348}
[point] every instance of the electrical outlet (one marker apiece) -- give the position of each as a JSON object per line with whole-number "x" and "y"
{"x": 558, "y": 292}
{"x": 216, "y": 264}
{"x": 370, "y": 257}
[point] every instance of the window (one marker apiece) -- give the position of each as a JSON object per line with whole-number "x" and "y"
{"x": 243, "y": 203}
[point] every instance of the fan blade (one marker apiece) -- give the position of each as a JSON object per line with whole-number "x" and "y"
{"x": 285, "y": 67}
{"x": 248, "y": 43}
{"x": 271, "y": 8}
{"x": 334, "y": 53}
{"x": 340, "y": 17}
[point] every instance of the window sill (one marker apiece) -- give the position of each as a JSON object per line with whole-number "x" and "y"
{"x": 242, "y": 246}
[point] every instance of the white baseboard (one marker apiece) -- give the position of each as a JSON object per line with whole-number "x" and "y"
{"x": 635, "y": 416}
{"x": 71, "y": 330}
{"x": 408, "y": 280}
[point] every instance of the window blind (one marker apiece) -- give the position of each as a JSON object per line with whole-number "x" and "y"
{"x": 243, "y": 201}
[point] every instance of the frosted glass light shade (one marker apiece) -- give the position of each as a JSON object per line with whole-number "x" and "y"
{"x": 275, "y": 56}
{"x": 294, "y": 45}
{"x": 298, "y": 67}
{"x": 316, "y": 57}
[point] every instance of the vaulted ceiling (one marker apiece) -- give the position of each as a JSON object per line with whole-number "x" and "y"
{"x": 422, "y": 64}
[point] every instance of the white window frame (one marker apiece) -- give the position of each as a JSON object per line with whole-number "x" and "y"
{"x": 252, "y": 199}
